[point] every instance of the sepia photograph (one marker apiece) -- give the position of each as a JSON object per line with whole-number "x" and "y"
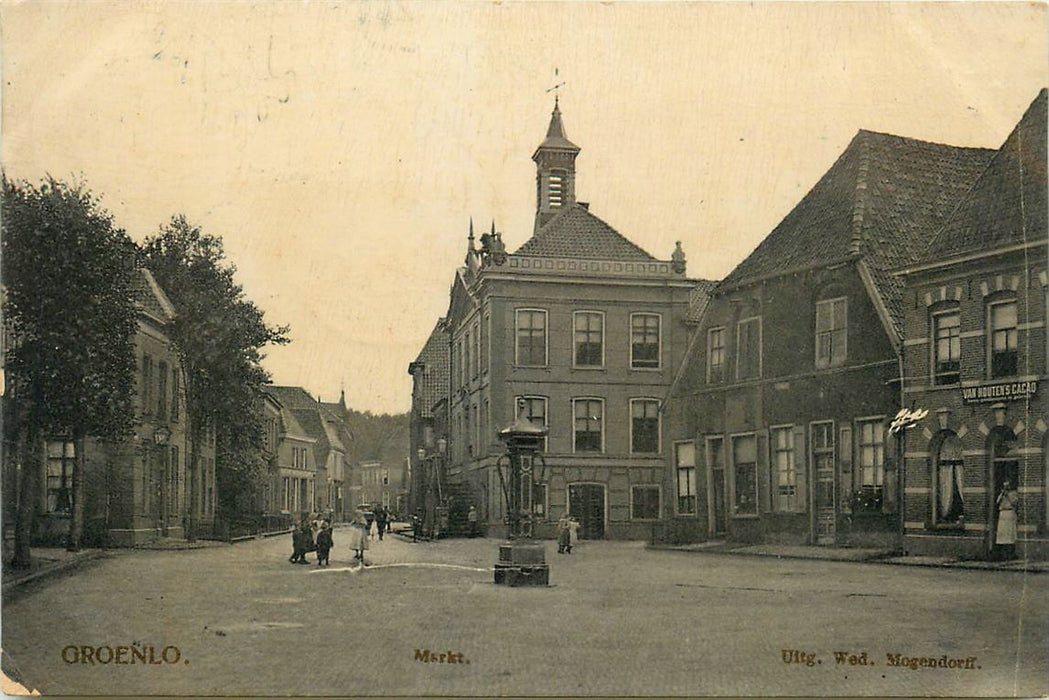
{"x": 534, "y": 349}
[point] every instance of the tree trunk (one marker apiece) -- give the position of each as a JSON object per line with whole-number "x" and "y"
{"x": 76, "y": 522}
{"x": 31, "y": 455}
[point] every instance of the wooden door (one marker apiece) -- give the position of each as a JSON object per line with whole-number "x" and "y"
{"x": 823, "y": 468}
{"x": 586, "y": 503}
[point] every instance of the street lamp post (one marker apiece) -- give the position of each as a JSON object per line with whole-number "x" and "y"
{"x": 522, "y": 560}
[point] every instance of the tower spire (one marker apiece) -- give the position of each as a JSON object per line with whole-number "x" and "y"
{"x": 555, "y": 168}
{"x": 470, "y": 238}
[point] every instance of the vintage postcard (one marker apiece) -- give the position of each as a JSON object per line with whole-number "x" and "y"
{"x": 530, "y": 349}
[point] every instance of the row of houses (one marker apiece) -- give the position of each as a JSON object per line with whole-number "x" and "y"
{"x": 145, "y": 487}
{"x": 759, "y": 407}
{"x": 138, "y": 488}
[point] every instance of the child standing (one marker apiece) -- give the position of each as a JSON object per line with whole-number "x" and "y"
{"x": 324, "y": 544}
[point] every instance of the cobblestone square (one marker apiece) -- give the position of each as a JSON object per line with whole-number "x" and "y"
{"x": 618, "y": 619}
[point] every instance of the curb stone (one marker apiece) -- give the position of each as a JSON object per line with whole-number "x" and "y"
{"x": 52, "y": 570}
{"x": 1034, "y": 567}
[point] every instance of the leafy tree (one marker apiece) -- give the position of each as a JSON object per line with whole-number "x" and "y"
{"x": 68, "y": 277}
{"x": 219, "y": 335}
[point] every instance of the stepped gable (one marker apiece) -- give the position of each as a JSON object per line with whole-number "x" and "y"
{"x": 1007, "y": 205}
{"x": 576, "y": 233}
{"x": 436, "y": 376}
{"x": 880, "y": 202}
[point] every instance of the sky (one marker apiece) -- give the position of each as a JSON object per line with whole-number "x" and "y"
{"x": 340, "y": 149}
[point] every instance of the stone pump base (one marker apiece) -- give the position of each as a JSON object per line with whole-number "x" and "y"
{"x": 522, "y": 563}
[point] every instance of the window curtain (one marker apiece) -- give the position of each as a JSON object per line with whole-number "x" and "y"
{"x": 950, "y": 490}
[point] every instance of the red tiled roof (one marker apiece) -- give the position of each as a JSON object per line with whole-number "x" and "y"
{"x": 1008, "y": 203}
{"x": 880, "y": 202}
{"x": 576, "y": 233}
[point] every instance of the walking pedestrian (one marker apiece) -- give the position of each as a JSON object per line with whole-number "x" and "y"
{"x": 1005, "y": 532}
{"x": 564, "y": 535}
{"x": 380, "y": 521}
{"x": 359, "y": 536}
{"x": 324, "y": 544}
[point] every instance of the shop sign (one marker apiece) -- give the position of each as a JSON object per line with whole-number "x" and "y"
{"x": 998, "y": 391}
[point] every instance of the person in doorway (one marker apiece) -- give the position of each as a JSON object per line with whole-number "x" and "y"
{"x": 564, "y": 535}
{"x": 324, "y": 543}
{"x": 1005, "y": 532}
{"x": 471, "y": 519}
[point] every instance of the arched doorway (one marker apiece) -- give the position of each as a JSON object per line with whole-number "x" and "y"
{"x": 1003, "y": 466}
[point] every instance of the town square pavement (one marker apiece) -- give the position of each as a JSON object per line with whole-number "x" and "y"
{"x": 618, "y": 619}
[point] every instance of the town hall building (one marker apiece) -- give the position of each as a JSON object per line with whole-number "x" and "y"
{"x": 583, "y": 330}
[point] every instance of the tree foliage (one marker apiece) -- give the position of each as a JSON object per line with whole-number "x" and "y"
{"x": 383, "y": 437}
{"x": 68, "y": 278}
{"x": 219, "y": 335}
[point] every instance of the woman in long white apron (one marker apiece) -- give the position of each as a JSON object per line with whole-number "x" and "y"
{"x": 1005, "y": 532}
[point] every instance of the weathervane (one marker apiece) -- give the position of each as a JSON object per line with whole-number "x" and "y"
{"x": 556, "y": 89}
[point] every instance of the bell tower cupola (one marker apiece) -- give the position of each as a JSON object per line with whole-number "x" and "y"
{"x": 555, "y": 170}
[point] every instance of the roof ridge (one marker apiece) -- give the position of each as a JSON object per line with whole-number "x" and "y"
{"x": 859, "y": 202}
{"x": 1013, "y": 142}
{"x": 912, "y": 139}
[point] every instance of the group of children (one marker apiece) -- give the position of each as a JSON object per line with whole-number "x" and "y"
{"x": 310, "y": 537}
{"x": 317, "y": 536}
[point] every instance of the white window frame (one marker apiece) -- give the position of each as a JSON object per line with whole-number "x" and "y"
{"x": 724, "y": 354}
{"x": 739, "y": 354}
{"x": 774, "y": 470}
{"x": 546, "y": 336}
{"x": 678, "y": 466}
{"x": 600, "y": 314}
{"x": 603, "y": 420}
{"x": 659, "y": 424}
{"x": 659, "y": 503}
{"x": 857, "y": 465}
{"x": 659, "y": 339}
